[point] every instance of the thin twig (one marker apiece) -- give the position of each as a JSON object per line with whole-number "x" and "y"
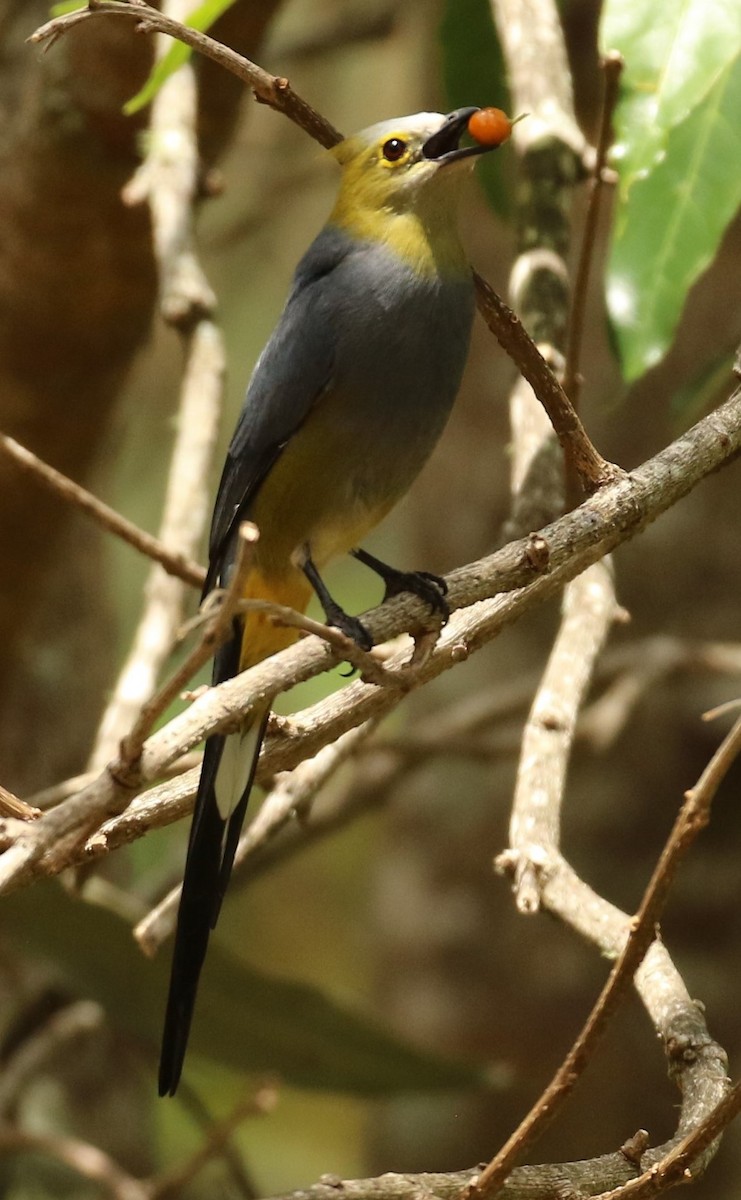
{"x": 193, "y": 1104}
{"x": 590, "y": 467}
{"x": 692, "y": 819}
{"x": 369, "y": 665}
{"x": 86, "y": 1160}
{"x": 270, "y": 89}
{"x": 256, "y": 1104}
{"x": 11, "y": 806}
{"x": 678, "y": 1166}
{"x": 612, "y": 66}
{"x": 173, "y": 563}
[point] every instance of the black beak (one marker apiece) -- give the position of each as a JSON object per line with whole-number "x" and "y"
{"x": 443, "y": 145}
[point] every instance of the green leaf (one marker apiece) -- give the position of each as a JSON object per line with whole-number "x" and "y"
{"x": 202, "y": 18}
{"x": 244, "y": 1020}
{"x": 674, "y": 52}
{"x": 672, "y": 223}
{"x": 473, "y": 73}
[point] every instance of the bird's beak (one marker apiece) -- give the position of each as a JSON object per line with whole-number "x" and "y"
{"x": 443, "y": 146}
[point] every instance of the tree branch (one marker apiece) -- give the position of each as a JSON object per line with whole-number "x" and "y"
{"x": 612, "y": 66}
{"x": 168, "y": 178}
{"x": 270, "y": 89}
{"x": 692, "y": 819}
{"x": 105, "y": 516}
{"x": 480, "y": 611}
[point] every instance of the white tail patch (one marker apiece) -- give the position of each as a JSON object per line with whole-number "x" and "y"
{"x": 234, "y": 768}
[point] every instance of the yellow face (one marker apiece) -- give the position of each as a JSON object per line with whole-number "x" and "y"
{"x": 387, "y": 165}
{"x": 400, "y": 186}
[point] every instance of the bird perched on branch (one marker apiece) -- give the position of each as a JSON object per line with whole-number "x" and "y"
{"x": 344, "y": 407}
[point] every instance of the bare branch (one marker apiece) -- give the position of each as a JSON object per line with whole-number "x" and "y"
{"x": 11, "y": 806}
{"x": 551, "y": 151}
{"x": 84, "y": 1159}
{"x": 630, "y": 669}
{"x": 612, "y": 67}
{"x": 270, "y": 89}
{"x": 108, "y": 519}
{"x": 53, "y": 795}
{"x": 256, "y": 1104}
{"x": 692, "y": 819}
{"x": 592, "y": 470}
{"x": 572, "y": 543}
{"x": 588, "y": 611}
{"x": 168, "y": 179}
{"x": 679, "y": 1165}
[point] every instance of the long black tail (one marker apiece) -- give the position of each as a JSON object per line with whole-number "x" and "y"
{"x": 219, "y": 812}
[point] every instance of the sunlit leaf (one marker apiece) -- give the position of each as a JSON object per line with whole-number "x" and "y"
{"x": 674, "y": 52}
{"x": 202, "y": 18}
{"x": 672, "y": 223}
{"x": 473, "y": 73}
{"x": 244, "y": 1020}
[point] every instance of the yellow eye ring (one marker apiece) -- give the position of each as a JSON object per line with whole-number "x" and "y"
{"x": 394, "y": 149}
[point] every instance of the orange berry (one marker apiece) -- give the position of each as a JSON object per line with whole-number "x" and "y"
{"x": 490, "y": 126}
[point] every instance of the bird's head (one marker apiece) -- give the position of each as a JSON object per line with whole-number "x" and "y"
{"x": 410, "y": 167}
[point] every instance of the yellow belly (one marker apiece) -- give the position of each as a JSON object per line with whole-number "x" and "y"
{"x": 262, "y": 637}
{"x": 311, "y": 498}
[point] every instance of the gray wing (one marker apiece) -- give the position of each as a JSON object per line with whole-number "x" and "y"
{"x": 293, "y": 370}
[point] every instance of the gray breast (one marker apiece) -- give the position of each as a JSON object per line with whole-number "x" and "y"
{"x": 402, "y": 343}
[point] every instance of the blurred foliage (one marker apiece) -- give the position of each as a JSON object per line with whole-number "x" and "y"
{"x": 202, "y": 18}
{"x": 677, "y": 132}
{"x": 247, "y": 1021}
{"x": 313, "y": 920}
{"x": 473, "y": 73}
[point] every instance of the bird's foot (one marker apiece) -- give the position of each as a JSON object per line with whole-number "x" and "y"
{"x": 337, "y": 617}
{"x": 429, "y": 588}
{"x": 352, "y": 627}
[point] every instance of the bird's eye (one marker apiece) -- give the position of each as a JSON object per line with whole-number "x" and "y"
{"x": 394, "y": 149}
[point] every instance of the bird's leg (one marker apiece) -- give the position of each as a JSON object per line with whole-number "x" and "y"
{"x": 350, "y": 626}
{"x": 428, "y": 587}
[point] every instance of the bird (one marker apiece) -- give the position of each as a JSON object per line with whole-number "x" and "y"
{"x": 344, "y": 407}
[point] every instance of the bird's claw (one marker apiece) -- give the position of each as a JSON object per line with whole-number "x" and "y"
{"x": 431, "y": 589}
{"x": 352, "y": 628}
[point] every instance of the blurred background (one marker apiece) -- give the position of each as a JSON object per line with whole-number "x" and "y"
{"x": 399, "y": 918}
